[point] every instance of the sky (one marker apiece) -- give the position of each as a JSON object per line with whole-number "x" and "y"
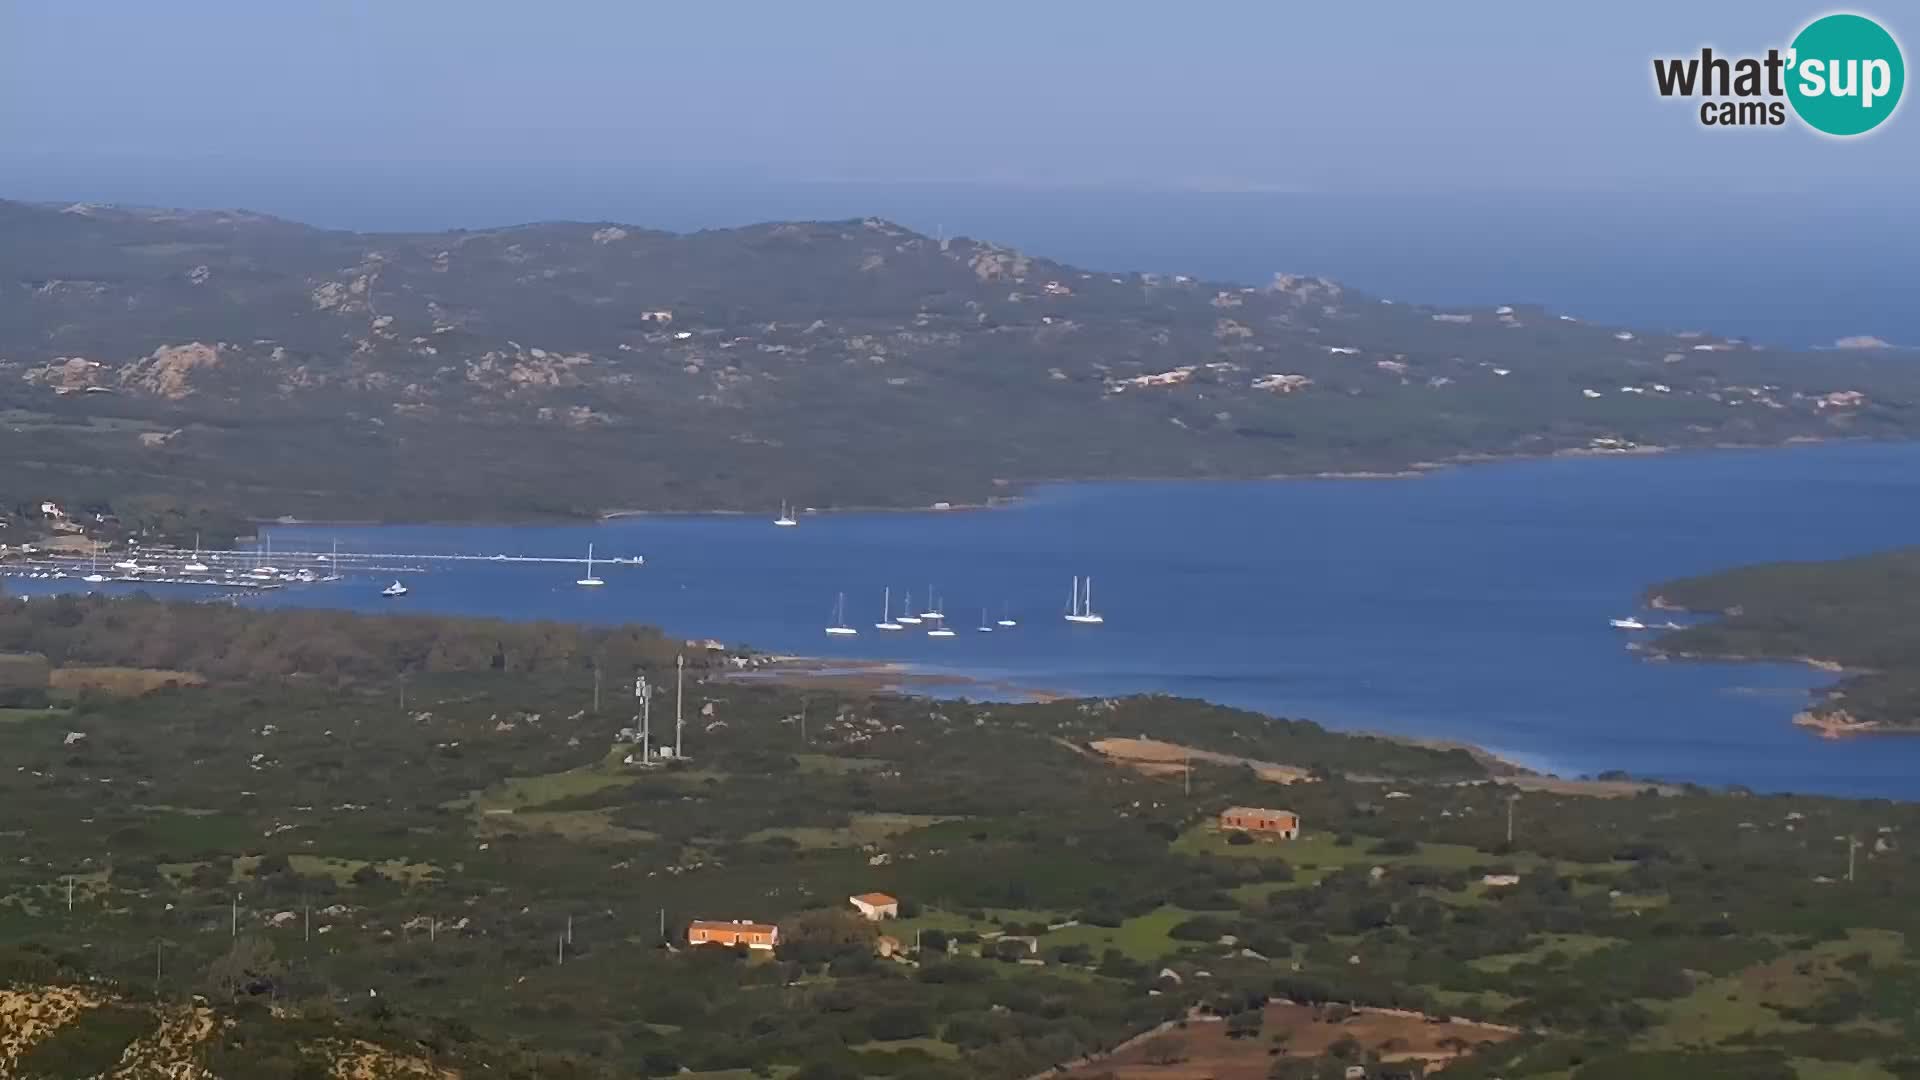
{"x": 1198, "y": 96}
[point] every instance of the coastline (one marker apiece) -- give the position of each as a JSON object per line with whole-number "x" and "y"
{"x": 1018, "y": 490}
{"x": 1823, "y": 718}
{"x": 893, "y": 677}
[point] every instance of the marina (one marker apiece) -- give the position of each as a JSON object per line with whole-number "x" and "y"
{"x": 247, "y": 569}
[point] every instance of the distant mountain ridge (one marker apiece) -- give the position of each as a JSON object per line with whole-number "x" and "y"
{"x": 187, "y": 361}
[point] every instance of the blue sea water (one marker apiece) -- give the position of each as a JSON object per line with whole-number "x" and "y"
{"x": 1469, "y": 604}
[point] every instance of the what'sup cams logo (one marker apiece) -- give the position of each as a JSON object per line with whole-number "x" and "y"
{"x": 1841, "y": 76}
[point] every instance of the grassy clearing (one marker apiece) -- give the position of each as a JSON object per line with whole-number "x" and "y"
{"x": 1453, "y": 999}
{"x": 120, "y": 681}
{"x": 1320, "y": 851}
{"x": 829, "y": 763}
{"x": 520, "y": 792}
{"x": 861, "y": 829}
{"x": 933, "y": 1048}
{"x": 1315, "y": 855}
{"x": 1810, "y": 1069}
{"x": 584, "y": 825}
{"x": 21, "y": 716}
{"x": 1143, "y": 938}
{"x": 1569, "y": 945}
{"x": 341, "y": 870}
{"x": 1721, "y": 1008}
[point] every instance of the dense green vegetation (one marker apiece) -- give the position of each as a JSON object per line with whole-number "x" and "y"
{"x": 1862, "y": 614}
{"x": 292, "y": 836}
{"x": 179, "y": 371}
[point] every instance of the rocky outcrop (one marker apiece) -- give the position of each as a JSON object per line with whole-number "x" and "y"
{"x": 168, "y": 372}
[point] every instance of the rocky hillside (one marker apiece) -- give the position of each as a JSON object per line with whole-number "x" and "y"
{"x": 163, "y": 359}
{"x": 79, "y": 1031}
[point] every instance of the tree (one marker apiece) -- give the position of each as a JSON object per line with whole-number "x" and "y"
{"x": 1242, "y": 1025}
{"x": 249, "y": 965}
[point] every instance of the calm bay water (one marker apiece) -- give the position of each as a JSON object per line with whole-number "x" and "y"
{"x": 1470, "y": 604}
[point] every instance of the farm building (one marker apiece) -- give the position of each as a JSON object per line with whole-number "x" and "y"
{"x": 1282, "y": 823}
{"x": 738, "y": 932}
{"x": 876, "y": 905}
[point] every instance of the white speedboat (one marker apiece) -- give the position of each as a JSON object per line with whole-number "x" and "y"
{"x": 395, "y": 589}
{"x": 589, "y": 580}
{"x": 886, "y": 612}
{"x": 840, "y": 627}
{"x": 126, "y": 564}
{"x": 1628, "y": 623}
{"x": 1080, "y": 609}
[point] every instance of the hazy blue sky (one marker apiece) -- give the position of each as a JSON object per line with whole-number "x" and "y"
{"x": 1256, "y": 95}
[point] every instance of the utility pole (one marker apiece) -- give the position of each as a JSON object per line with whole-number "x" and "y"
{"x": 403, "y": 694}
{"x": 644, "y": 691}
{"x": 306, "y": 913}
{"x": 1511, "y": 799}
{"x": 1187, "y": 774}
{"x": 569, "y": 929}
{"x": 563, "y": 948}
{"x": 433, "y": 929}
{"x": 679, "y": 700}
{"x": 234, "y": 929}
{"x": 69, "y": 894}
{"x": 1852, "y": 846}
{"x": 803, "y": 719}
{"x": 156, "y": 970}
{"x": 596, "y": 689}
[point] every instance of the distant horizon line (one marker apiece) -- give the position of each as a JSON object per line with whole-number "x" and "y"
{"x": 657, "y": 176}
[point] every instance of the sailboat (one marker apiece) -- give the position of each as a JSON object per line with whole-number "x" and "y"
{"x": 94, "y": 576}
{"x": 589, "y": 580}
{"x": 907, "y": 617}
{"x": 265, "y": 570}
{"x": 785, "y": 520}
{"x": 333, "y": 564}
{"x": 395, "y": 589}
{"x": 886, "y": 612}
{"x": 940, "y": 628}
{"x": 932, "y": 614}
{"x": 196, "y": 566}
{"x": 1080, "y": 610}
{"x": 1005, "y": 619}
{"x": 840, "y": 627}
{"x": 984, "y": 627}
